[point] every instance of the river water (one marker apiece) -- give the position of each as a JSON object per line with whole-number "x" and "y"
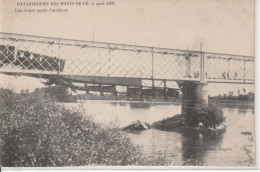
{"x": 234, "y": 147}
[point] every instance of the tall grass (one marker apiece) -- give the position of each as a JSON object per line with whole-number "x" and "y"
{"x": 37, "y": 132}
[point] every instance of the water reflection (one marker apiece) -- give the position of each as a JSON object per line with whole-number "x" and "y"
{"x": 122, "y": 103}
{"x": 196, "y": 144}
{"x": 140, "y": 105}
{"x": 245, "y": 111}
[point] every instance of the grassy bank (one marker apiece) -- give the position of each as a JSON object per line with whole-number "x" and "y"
{"x": 36, "y": 132}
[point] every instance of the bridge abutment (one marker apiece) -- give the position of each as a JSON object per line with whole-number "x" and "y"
{"x": 193, "y": 94}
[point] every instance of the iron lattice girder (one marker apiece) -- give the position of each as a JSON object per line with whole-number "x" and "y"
{"x": 42, "y": 55}
{"x": 105, "y": 80}
{"x": 141, "y": 91}
{"x": 29, "y": 60}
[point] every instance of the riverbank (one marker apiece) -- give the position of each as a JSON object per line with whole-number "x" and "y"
{"x": 224, "y": 102}
{"x": 177, "y": 102}
{"x": 37, "y": 132}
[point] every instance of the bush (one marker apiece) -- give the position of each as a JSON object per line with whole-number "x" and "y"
{"x": 210, "y": 116}
{"x": 36, "y": 132}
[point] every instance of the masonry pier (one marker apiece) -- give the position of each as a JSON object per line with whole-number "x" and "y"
{"x": 193, "y": 94}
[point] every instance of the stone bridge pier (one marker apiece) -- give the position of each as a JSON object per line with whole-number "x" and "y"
{"x": 193, "y": 94}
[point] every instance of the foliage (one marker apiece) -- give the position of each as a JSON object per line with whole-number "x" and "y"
{"x": 36, "y": 132}
{"x": 59, "y": 93}
{"x": 209, "y": 115}
{"x": 248, "y": 150}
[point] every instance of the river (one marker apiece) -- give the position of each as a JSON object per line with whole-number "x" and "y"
{"x": 235, "y": 147}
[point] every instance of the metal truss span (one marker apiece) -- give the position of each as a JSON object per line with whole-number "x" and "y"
{"x": 118, "y": 63}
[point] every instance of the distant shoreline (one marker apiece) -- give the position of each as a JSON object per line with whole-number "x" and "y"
{"x": 234, "y": 102}
{"x": 178, "y": 102}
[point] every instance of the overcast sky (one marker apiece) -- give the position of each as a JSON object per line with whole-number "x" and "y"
{"x": 224, "y": 26}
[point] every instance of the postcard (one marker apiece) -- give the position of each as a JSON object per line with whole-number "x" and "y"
{"x": 127, "y": 83}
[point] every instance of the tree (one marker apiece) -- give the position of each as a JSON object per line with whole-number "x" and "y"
{"x": 209, "y": 115}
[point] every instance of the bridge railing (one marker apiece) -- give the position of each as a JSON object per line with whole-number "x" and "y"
{"x": 229, "y": 68}
{"x": 32, "y": 54}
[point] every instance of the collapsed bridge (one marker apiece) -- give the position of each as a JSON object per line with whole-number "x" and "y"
{"x": 102, "y": 66}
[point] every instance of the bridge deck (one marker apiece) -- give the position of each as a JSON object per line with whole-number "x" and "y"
{"x": 117, "y": 64}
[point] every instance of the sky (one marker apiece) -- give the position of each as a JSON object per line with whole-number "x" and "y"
{"x": 217, "y": 25}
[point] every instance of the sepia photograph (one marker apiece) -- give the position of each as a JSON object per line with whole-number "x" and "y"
{"x": 127, "y": 83}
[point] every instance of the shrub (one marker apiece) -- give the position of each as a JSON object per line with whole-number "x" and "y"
{"x": 36, "y": 132}
{"x": 209, "y": 115}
